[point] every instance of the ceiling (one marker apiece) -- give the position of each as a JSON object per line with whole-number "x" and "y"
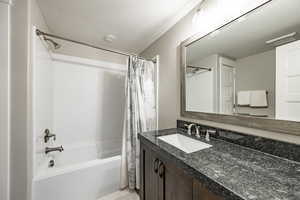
{"x": 135, "y": 23}
{"x": 248, "y": 36}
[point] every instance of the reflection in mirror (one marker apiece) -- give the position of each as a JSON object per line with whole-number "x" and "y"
{"x": 250, "y": 67}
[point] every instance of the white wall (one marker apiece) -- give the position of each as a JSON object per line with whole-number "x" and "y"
{"x": 24, "y": 14}
{"x": 37, "y": 18}
{"x": 216, "y": 13}
{"x": 257, "y": 72}
{"x": 4, "y": 99}
{"x": 19, "y": 63}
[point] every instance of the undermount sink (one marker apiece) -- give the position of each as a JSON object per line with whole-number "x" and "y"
{"x": 184, "y": 143}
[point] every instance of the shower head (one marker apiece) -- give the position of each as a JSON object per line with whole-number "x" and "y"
{"x": 55, "y": 44}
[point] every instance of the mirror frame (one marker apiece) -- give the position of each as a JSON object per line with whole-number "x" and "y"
{"x": 283, "y": 126}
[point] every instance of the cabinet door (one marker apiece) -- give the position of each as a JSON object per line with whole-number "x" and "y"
{"x": 148, "y": 174}
{"x": 174, "y": 184}
{"x": 202, "y": 193}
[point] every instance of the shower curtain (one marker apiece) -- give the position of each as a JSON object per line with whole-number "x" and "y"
{"x": 140, "y": 116}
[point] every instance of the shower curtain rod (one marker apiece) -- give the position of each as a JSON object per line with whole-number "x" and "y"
{"x": 39, "y": 33}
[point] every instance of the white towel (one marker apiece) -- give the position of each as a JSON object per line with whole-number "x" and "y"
{"x": 258, "y": 99}
{"x": 243, "y": 98}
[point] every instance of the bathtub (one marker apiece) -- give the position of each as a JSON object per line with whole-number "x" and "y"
{"x": 78, "y": 177}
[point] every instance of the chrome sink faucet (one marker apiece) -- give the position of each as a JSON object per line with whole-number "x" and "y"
{"x": 51, "y": 149}
{"x": 189, "y": 132}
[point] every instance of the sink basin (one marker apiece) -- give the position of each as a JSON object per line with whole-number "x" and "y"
{"x": 184, "y": 143}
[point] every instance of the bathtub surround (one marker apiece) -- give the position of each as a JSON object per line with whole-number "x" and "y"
{"x": 80, "y": 110}
{"x": 100, "y": 86}
{"x": 140, "y": 115}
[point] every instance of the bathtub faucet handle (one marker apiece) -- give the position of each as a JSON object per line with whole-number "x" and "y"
{"x": 48, "y": 135}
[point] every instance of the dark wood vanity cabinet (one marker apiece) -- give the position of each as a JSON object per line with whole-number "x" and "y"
{"x": 162, "y": 180}
{"x": 149, "y": 174}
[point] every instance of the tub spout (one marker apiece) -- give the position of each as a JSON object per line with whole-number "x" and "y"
{"x": 51, "y": 149}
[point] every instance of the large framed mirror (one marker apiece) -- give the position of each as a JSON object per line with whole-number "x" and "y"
{"x": 246, "y": 72}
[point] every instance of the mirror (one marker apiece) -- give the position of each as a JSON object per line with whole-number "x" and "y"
{"x": 250, "y": 67}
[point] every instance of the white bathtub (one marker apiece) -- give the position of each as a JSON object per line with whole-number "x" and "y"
{"x": 87, "y": 181}
{"x": 78, "y": 174}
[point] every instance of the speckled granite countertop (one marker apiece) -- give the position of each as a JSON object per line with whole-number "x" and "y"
{"x": 233, "y": 171}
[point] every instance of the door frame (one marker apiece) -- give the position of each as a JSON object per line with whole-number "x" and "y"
{"x": 281, "y": 79}
{"x": 231, "y": 64}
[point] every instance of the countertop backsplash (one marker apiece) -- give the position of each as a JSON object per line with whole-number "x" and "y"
{"x": 273, "y": 147}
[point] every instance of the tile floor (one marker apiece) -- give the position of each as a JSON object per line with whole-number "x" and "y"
{"x": 121, "y": 195}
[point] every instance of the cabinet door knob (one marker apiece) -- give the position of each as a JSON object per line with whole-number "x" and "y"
{"x": 161, "y": 170}
{"x": 155, "y": 166}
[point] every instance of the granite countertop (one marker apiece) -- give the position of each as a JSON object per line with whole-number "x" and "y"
{"x": 241, "y": 173}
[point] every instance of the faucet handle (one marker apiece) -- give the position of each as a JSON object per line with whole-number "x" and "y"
{"x": 208, "y": 131}
{"x": 48, "y": 135}
{"x": 188, "y": 125}
{"x": 198, "y": 131}
{"x": 211, "y": 131}
{"x": 207, "y": 136}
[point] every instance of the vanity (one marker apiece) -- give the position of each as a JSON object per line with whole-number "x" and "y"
{"x": 163, "y": 179}
{"x": 245, "y": 73}
{"x": 226, "y": 170}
